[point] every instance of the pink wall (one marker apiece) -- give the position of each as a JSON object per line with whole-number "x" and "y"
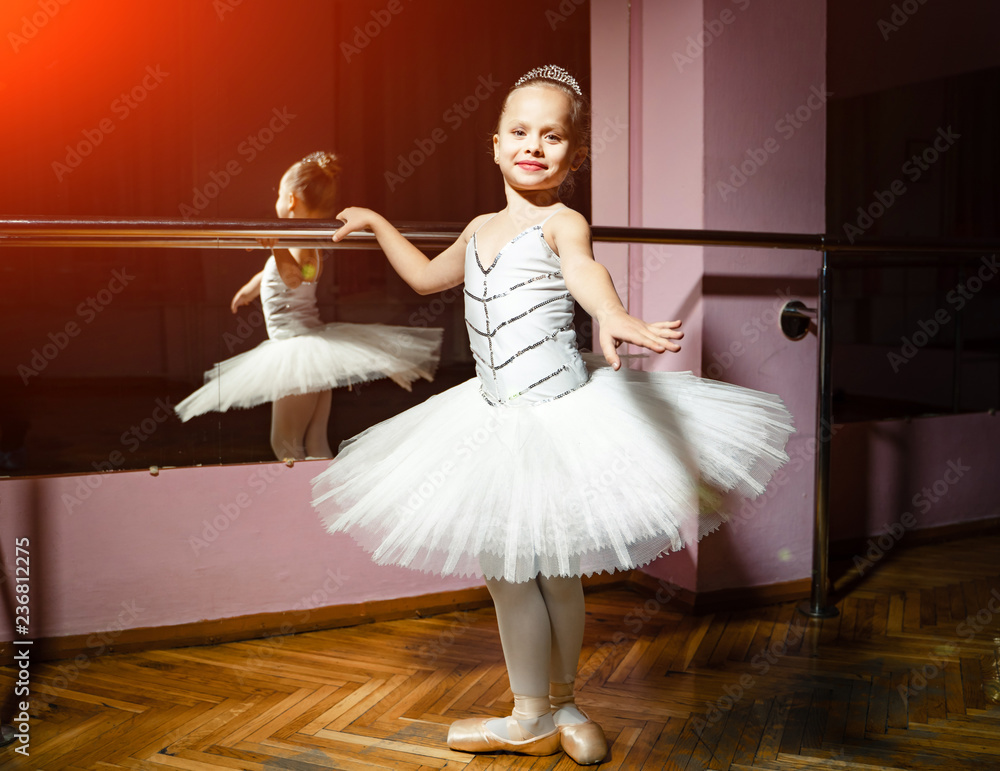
{"x": 768, "y": 120}
{"x": 611, "y": 132}
{"x": 940, "y": 470}
{"x": 668, "y": 179}
{"x": 130, "y": 549}
{"x": 696, "y": 106}
{"x": 666, "y": 171}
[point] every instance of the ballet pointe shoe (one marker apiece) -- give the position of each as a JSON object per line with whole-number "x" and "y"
{"x": 473, "y": 735}
{"x": 584, "y": 742}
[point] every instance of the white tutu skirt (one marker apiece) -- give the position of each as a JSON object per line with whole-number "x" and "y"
{"x": 605, "y": 478}
{"x": 330, "y": 356}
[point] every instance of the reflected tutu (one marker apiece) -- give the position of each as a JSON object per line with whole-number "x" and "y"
{"x": 330, "y": 356}
{"x": 456, "y": 486}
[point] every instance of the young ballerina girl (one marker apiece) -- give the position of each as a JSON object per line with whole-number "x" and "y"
{"x": 514, "y": 484}
{"x": 304, "y": 358}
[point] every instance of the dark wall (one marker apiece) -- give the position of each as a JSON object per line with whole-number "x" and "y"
{"x": 912, "y": 153}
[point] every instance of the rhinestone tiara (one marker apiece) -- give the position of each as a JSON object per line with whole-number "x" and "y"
{"x": 551, "y": 72}
{"x": 326, "y": 161}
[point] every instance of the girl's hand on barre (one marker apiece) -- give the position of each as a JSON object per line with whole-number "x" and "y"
{"x": 355, "y": 218}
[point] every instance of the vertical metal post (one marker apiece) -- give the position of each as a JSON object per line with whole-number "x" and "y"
{"x": 817, "y": 605}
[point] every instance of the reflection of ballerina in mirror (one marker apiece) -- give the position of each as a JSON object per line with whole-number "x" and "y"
{"x": 303, "y": 357}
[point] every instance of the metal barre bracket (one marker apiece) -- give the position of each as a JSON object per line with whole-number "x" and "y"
{"x": 795, "y": 319}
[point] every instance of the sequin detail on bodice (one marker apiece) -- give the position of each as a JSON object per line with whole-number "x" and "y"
{"x": 520, "y": 320}
{"x": 287, "y": 312}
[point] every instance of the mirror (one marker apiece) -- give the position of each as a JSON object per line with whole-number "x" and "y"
{"x": 195, "y": 109}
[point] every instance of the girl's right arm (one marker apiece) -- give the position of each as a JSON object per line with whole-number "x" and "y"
{"x": 423, "y": 274}
{"x": 249, "y": 292}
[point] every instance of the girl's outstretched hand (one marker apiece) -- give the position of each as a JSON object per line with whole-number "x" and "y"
{"x": 619, "y": 327}
{"x": 245, "y": 296}
{"x": 354, "y": 218}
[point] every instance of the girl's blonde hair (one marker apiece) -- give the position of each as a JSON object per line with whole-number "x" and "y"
{"x": 314, "y": 180}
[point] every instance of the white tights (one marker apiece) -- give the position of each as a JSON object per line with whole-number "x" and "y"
{"x": 299, "y": 425}
{"x": 541, "y": 631}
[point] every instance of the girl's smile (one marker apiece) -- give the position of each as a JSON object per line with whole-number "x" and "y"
{"x": 534, "y": 146}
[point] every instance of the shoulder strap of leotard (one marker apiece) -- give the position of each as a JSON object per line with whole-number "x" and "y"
{"x": 553, "y": 214}
{"x": 494, "y": 214}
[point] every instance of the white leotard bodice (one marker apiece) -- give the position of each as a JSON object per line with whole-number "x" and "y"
{"x": 287, "y": 312}
{"x": 520, "y": 320}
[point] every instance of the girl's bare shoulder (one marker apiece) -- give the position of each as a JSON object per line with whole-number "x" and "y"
{"x": 475, "y": 224}
{"x": 567, "y": 223}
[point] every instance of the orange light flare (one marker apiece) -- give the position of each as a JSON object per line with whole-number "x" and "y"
{"x": 63, "y": 63}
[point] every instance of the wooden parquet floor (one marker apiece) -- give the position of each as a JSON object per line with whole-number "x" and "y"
{"x": 896, "y": 681}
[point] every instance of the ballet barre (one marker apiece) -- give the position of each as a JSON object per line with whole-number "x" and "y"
{"x": 244, "y": 234}
{"x": 138, "y": 233}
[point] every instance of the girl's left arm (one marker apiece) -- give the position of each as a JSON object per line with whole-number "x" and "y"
{"x": 590, "y": 284}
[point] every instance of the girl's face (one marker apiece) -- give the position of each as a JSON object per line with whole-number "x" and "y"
{"x": 287, "y": 200}
{"x": 535, "y": 146}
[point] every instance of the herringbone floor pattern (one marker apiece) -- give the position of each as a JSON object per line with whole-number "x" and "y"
{"x": 896, "y": 681}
